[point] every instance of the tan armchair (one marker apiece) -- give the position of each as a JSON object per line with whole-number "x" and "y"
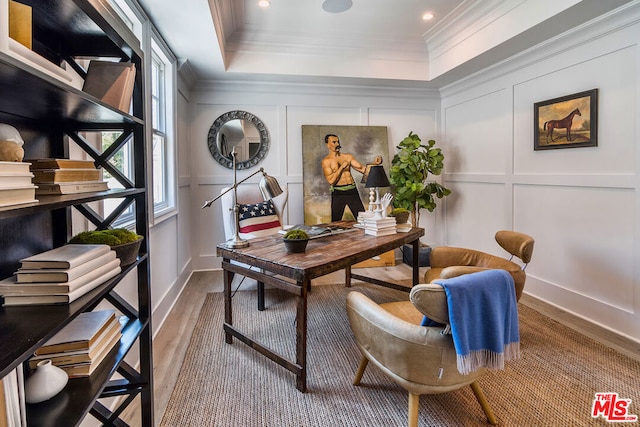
{"x": 420, "y": 359}
{"x": 447, "y": 262}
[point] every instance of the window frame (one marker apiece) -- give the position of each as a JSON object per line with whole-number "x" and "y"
{"x": 155, "y": 48}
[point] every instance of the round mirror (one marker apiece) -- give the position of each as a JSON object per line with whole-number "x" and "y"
{"x": 241, "y": 130}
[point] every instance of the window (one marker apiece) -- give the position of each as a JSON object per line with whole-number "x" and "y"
{"x": 160, "y": 87}
{"x": 122, "y": 162}
{"x": 162, "y": 153}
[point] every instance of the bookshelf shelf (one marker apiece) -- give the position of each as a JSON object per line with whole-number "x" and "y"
{"x": 51, "y": 114}
{"x": 25, "y": 87}
{"x": 47, "y": 203}
{"x": 70, "y": 405}
{"x": 23, "y": 338}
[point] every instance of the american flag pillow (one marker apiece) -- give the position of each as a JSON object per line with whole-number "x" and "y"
{"x": 257, "y": 217}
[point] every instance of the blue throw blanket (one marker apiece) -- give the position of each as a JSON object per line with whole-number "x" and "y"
{"x": 483, "y": 314}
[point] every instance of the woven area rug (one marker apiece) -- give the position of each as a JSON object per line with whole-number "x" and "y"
{"x": 554, "y": 383}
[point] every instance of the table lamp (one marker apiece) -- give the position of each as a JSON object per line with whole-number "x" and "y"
{"x": 269, "y": 187}
{"x": 377, "y": 178}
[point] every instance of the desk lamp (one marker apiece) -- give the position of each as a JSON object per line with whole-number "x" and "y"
{"x": 269, "y": 188}
{"x": 377, "y": 178}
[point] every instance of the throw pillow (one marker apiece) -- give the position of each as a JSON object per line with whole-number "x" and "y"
{"x": 257, "y": 217}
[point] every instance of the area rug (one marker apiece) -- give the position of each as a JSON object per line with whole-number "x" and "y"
{"x": 553, "y": 384}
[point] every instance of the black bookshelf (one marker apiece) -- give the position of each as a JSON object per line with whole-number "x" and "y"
{"x": 50, "y": 113}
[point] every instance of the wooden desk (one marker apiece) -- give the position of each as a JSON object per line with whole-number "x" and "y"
{"x": 293, "y": 273}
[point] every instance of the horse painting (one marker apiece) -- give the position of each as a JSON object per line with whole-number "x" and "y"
{"x": 565, "y": 123}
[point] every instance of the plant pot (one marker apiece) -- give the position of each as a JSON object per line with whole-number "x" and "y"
{"x": 402, "y": 218}
{"x": 424, "y": 255}
{"x": 127, "y": 252}
{"x": 294, "y": 246}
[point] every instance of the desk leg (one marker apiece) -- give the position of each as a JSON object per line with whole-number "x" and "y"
{"x": 416, "y": 261}
{"x": 347, "y": 277}
{"x": 228, "y": 318}
{"x": 301, "y": 337}
{"x": 260, "y": 296}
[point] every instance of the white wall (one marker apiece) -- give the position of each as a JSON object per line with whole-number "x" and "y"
{"x": 580, "y": 204}
{"x": 284, "y": 109}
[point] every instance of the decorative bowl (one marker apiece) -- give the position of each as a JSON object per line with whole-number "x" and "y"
{"x": 295, "y": 245}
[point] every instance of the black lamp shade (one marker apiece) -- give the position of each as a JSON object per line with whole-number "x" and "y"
{"x": 377, "y": 177}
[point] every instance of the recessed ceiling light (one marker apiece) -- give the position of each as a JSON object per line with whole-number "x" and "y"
{"x": 264, "y": 3}
{"x": 428, "y": 16}
{"x": 337, "y": 6}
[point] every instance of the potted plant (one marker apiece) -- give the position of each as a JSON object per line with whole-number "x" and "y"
{"x": 400, "y": 214}
{"x": 410, "y": 169}
{"x": 296, "y": 241}
{"x": 125, "y": 243}
{"x": 409, "y": 173}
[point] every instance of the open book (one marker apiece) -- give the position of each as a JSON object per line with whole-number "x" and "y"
{"x": 320, "y": 230}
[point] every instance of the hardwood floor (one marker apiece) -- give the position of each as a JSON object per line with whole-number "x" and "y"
{"x": 170, "y": 343}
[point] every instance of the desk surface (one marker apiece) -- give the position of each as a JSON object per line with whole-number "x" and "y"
{"x": 323, "y": 255}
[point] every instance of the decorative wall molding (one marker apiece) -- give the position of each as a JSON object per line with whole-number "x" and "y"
{"x": 599, "y": 27}
{"x": 482, "y": 33}
{"x": 385, "y": 89}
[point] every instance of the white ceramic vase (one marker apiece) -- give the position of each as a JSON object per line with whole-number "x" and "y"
{"x": 47, "y": 381}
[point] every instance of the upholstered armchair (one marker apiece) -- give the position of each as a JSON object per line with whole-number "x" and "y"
{"x": 420, "y": 359}
{"x": 251, "y": 195}
{"x": 447, "y": 262}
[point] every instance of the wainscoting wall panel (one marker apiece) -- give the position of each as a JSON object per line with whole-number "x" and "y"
{"x": 580, "y": 204}
{"x": 284, "y": 109}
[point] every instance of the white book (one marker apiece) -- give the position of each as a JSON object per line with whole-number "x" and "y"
{"x": 80, "y": 333}
{"x": 52, "y": 275}
{"x": 59, "y": 298}
{"x": 380, "y": 227}
{"x": 380, "y": 221}
{"x": 9, "y": 288}
{"x": 67, "y": 256}
{"x": 71, "y": 187}
{"x": 380, "y": 232}
{"x": 17, "y": 195}
{"x": 403, "y": 228}
{"x": 15, "y": 167}
{"x": 15, "y": 180}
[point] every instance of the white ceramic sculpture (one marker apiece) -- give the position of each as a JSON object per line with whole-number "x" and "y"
{"x": 47, "y": 381}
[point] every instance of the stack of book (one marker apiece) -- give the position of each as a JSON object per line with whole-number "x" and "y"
{"x": 60, "y": 276}
{"x": 404, "y": 228}
{"x": 15, "y": 184}
{"x": 83, "y": 344}
{"x": 66, "y": 176}
{"x": 380, "y": 226}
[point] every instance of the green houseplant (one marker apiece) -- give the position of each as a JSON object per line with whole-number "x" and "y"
{"x": 296, "y": 241}
{"x": 410, "y": 169}
{"x": 125, "y": 243}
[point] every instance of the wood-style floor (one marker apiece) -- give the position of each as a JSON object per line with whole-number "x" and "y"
{"x": 171, "y": 341}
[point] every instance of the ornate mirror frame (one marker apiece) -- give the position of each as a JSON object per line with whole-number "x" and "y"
{"x": 212, "y": 139}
